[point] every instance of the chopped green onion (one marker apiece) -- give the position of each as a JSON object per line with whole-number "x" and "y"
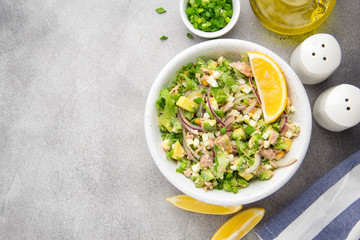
{"x": 249, "y": 129}
{"x": 209, "y": 16}
{"x": 160, "y": 10}
{"x": 223, "y": 131}
{"x": 189, "y": 35}
{"x": 163, "y": 37}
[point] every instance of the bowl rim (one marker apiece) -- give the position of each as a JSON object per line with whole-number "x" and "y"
{"x": 148, "y": 125}
{"x": 219, "y": 33}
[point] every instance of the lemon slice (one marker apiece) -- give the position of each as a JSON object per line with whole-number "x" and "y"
{"x": 239, "y": 225}
{"x": 189, "y": 204}
{"x": 271, "y": 85}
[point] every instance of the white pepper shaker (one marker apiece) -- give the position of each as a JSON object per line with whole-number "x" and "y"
{"x": 338, "y": 108}
{"x": 316, "y": 58}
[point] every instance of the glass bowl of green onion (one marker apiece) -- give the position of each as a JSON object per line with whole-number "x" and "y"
{"x": 209, "y": 18}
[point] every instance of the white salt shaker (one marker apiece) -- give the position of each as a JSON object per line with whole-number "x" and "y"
{"x": 338, "y": 108}
{"x": 316, "y": 58}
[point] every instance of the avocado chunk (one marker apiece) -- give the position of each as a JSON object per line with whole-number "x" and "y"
{"x": 223, "y": 159}
{"x": 224, "y": 143}
{"x": 167, "y": 104}
{"x": 265, "y": 175}
{"x": 186, "y": 104}
{"x": 195, "y": 95}
{"x": 209, "y": 125}
{"x": 242, "y": 183}
{"x": 207, "y": 175}
{"x": 230, "y": 185}
{"x": 165, "y": 121}
{"x": 178, "y": 151}
{"x": 284, "y": 144}
{"x": 176, "y": 125}
{"x": 246, "y": 176}
{"x": 199, "y": 182}
{"x": 238, "y": 133}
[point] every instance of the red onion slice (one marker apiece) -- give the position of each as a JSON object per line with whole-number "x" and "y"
{"x": 229, "y": 120}
{"x": 186, "y": 124}
{"x": 211, "y": 110}
{"x": 249, "y": 108}
{"x": 282, "y": 123}
{"x": 188, "y": 150}
{"x": 200, "y": 112}
{"x": 195, "y": 132}
{"x": 234, "y": 147}
{"x": 243, "y": 97}
{"x": 190, "y": 130}
{"x": 255, "y": 165}
{"x": 240, "y": 108}
{"x": 256, "y": 93}
{"x": 285, "y": 163}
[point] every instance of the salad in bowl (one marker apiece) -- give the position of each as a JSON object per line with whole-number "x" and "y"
{"x": 212, "y": 124}
{"x": 221, "y": 134}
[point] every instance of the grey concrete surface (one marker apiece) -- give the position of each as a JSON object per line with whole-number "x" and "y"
{"x": 74, "y": 77}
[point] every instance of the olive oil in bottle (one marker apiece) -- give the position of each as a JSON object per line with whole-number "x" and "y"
{"x": 291, "y": 17}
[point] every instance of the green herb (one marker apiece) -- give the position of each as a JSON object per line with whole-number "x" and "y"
{"x": 160, "y": 10}
{"x": 209, "y": 15}
{"x": 163, "y": 37}
{"x": 223, "y": 131}
{"x": 249, "y": 129}
{"x": 189, "y": 35}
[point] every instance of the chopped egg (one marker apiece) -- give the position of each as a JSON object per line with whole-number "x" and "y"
{"x": 246, "y": 88}
{"x": 205, "y": 137}
{"x": 256, "y": 117}
{"x": 196, "y": 143}
{"x": 211, "y": 135}
{"x": 240, "y": 118}
{"x": 196, "y": 168}
{"x": 258, "y": 111}
{"x": 234, "y": 113}
{"x": 292, "y": 109}
{"x": 216, "y": 74}
{"x": 289, "y": 134}
{"x": 211, "y": 122}
{"x": 230, "y": 99}
{"x": 214, "y": 104}
{"x": 252, "y": 123}
{"x": 212, "y": 81}
{"x": 265, "y": 135}
{"x": 242, "y": 81}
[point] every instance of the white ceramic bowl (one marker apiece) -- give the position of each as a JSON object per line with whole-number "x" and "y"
{"x": 221, "y": 32}
{"x": 231, "y": 49}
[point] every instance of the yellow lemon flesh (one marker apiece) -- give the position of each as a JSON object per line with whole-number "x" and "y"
{"x": 271, "y": 85}
{"x": 187, "y": 203}
{"x": 239, "y": 225}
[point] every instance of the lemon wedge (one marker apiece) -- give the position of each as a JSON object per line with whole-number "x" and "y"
{"x": 271, "y": 85}
{"x": 187, "y": 203}
{"x": 239, "y": 225}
